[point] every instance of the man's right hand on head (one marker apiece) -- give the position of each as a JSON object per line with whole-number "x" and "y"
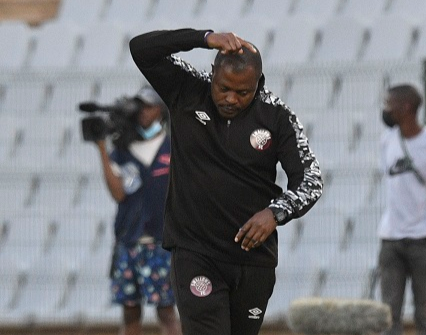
{"x": 228, "y": 43}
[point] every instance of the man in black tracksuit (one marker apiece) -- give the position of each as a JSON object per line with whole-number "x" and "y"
{"x": 223, "y": 206}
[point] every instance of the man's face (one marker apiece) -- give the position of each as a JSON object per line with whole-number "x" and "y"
{"x": 148, "y": 114}
{"x": 233, "y": 91}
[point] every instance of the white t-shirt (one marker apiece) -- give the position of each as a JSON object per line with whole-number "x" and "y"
{"x": 405, "y": 213}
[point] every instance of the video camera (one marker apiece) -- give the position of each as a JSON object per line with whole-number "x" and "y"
{"x": 117, "y": 120}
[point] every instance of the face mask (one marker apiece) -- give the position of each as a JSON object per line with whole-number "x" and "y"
{"x": 387, "y": 119}
{"x": 151, "y": 131}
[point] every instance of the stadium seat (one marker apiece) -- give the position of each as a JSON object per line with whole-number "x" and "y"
{"x": 15, "y": 39}
{"x": 348, "y": 192}
{"x": 419, "y": 53}
{"x": 364, "y": 10}
{"x": 90, "y": 295}
{"x": 94, "y": 198}
{"x": 55, "y": 193}
{"x": 12, "y": 277}
{"x": 321, "y": 10}
{"x": 104, "y": 45}
{"x": 187, "y": 9}
{"x": 365, "y": 224}
{"x": 349, "y": 275}
{"x": 390, "y": 41}
{"x": 309, "y": 92}
{"x": 66, "y": 93}
{"x": 81, "y": 12}
{"x": 24, "y": 96}
{"x": 272, "y": 11}
{"x": 412, "y": 10}
{"x": 221, "y": 10}
{"x": 360, "y": 90}
{"x": 341, "y": 128}
{"x": 44, "y": 288}
{"x": 294, "y": 42}
{"x": 128, "y": 12}
{"x": 9, "y": 137}
{"x": 56, "y": 46}
{"x": 26, "y": 239}
{"x": 342, "y": 40}
{"x": 79, "y": 235}
{"x": 39, "y": 144}
{"x": 111, "y": 90}
{"x": 323, "y": 227}
{"x": 79, "y": 156}
{"x": 297, "y": 276}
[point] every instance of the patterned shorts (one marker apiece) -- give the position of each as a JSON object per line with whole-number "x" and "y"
{"x": 141, "y": 273}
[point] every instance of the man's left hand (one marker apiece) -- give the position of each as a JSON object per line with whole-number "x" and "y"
{"x": 256, "y": 230}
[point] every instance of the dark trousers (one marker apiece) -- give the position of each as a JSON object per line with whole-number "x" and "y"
{"x": 217, "y": 298}
{"x": 400, "y": 260}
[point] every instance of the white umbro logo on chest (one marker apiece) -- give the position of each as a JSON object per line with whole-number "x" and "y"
{"x": 202, "y": 117}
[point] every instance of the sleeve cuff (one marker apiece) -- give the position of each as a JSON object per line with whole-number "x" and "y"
{"x": 207, "y": 33}
{"x": 280, "y": 216}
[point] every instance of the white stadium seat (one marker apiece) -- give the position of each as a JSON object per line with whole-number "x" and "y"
{"x": 129, "y": 12}
{"x": 56, "y": 46}
{"x": 187, "y": 9}
{"x": 322, "y": 10}
{"x": 294, "y": 41}
{"x": 364, "y": 10}
{"x": 272, "y": 11}
{"x": 412, "y": 10}
{"x": 419, "y": 53}
{"x": 388, "y": 41}
{"x": 15, "y": 37}
{"x": 82, "y": 12}
{"x": 221, "y": 10}
{"x": 342, "y": 40}
{"x": 103, "y": 46}
{"x": 66, "y": 94}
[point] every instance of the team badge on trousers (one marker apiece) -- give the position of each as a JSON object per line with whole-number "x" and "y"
{"x": 201, "y": 286}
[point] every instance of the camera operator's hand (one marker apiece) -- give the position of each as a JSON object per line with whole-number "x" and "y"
{"x": 114, "y": 182}
{"x": 101, "y": 144}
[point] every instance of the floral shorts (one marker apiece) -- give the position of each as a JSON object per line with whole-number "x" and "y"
{"x": 141, "y": 273}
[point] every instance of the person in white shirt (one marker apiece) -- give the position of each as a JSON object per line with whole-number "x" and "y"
{"x": 402, "y": 228}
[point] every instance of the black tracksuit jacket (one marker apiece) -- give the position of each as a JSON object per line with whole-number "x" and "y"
{"x": 220, "y": 175}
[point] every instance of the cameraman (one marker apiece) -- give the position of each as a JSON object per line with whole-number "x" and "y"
{"x": 137, "y": 177}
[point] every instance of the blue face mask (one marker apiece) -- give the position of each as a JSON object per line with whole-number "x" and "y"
{"x": 151, "y": 131}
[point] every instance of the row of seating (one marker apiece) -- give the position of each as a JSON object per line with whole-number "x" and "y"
{"x": 299, "y": 39}
{"x": 43, "y": 144}
{"x": 274, "y": 10}
{"x": 57, "y": 270}
{"x": 305, "y": 90}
